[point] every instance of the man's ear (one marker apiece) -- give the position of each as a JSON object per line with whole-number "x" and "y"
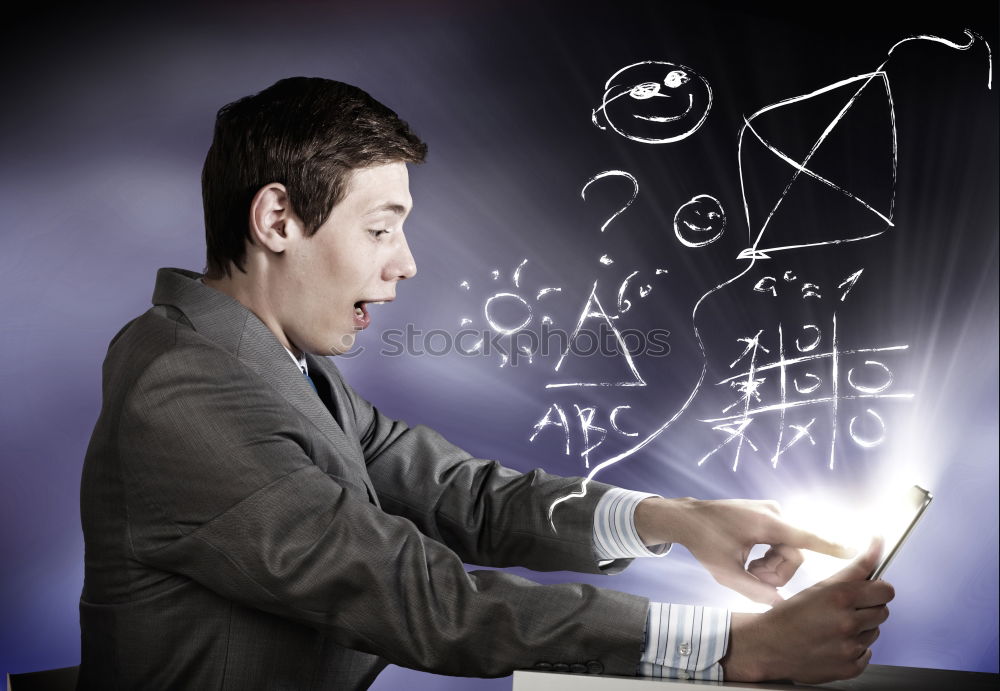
{"x": 272, "y": 221}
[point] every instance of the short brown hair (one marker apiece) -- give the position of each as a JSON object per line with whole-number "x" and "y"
{"x": 305, "y": 133}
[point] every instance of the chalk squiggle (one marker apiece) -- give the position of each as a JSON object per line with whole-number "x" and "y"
{"x": 753, "y": 253}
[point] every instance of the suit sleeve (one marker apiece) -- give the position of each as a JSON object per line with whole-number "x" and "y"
{"x": 222, "y": 490}
{"x": 487, "y": 513}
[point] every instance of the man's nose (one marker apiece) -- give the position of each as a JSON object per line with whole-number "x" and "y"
{"x": 402, "y": 264}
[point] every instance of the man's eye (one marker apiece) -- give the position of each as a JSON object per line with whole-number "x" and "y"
{"x": 377, "y": 232}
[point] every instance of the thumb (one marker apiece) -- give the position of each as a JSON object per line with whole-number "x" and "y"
{"x": 750, "y": 586}
{"x": 860, "y": 568}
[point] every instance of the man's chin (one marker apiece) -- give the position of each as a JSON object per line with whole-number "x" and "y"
{"x": 341, "y": 345}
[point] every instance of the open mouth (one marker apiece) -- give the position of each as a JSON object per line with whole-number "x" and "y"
{"x": 361, "y": 317}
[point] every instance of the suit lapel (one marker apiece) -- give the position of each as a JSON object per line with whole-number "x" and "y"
{"x": 340, "y": 409}
{"x": 235, "y": 328}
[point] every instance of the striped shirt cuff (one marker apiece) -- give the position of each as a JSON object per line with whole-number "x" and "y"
{"x": 615, "y": 536}
{"x": 684, "y": 642}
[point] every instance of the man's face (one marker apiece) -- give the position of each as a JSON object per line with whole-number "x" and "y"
{"x": 353, "y": 260}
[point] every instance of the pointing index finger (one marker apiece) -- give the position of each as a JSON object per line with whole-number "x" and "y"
{"x": 796, "y": 537}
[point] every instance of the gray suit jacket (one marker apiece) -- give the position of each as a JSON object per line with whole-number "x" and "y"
{"x": 242, "y": 534}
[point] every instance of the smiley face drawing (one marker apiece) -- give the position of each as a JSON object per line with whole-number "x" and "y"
{"x": 654, "y": 102}
{"x": 699, "y": 221}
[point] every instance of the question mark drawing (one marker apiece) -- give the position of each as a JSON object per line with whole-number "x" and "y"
{"x": 609, "y": 173}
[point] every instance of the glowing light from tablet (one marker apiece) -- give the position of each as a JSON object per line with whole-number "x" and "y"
{"x": 850, "y": 524}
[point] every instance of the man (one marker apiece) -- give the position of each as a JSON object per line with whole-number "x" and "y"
{"x": 251, "y": 522}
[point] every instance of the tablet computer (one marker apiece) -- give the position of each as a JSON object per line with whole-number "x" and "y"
{"x": 901, "y": 521}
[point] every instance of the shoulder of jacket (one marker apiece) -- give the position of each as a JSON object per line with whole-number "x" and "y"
{"x": 158, "y": 342}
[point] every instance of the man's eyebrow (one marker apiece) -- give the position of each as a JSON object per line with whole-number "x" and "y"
{"x": 392, "y": 207}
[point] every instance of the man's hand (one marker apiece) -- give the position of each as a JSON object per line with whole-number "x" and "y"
{"x": 821, "y": 634}
{"x": 720, "y": 534}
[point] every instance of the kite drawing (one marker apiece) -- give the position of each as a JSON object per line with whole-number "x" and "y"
{"x": 799, "y": 201}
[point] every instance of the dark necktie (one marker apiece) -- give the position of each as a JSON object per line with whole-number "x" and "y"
{"x": 309, "y": 379}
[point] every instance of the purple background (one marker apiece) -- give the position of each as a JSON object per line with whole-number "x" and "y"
{"x": 106, "y": 120}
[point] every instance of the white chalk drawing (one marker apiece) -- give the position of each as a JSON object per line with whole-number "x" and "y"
{"x": 814, "y": 383}
{"x": 510, "y": 298}
{"x": 699, "y": 221}
{"x": 812, "y": 346}
{"x": 848, "y": 283}
{"x": 879, "y": 388}
{"x": 584, "y": 426}
{"x": 614, "y": 421}
{"x": 654, "y": 102}
{"x": 608, "y": 174}
{"x": 498, "y": 308}
{"x": 811, "y": 290}
{"x": 477, "y": 347}
{"x": 755, "y": 405}
{"x": 765, "y": 285}
{"x": 624, "y": 305}
{"x": 769, "y": 284}
{"x": 516, "y": 277}
{"x": 593, "y": 309}
{"x": 861, "y": 441}
{"x": 586, "y": 417}
{"x": 547, "y": 421}
{"x": 494, "y": 322}
{"x": 880, "y": 211}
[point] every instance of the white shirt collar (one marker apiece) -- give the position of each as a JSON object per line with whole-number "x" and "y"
{"x": 299, "y": 362}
